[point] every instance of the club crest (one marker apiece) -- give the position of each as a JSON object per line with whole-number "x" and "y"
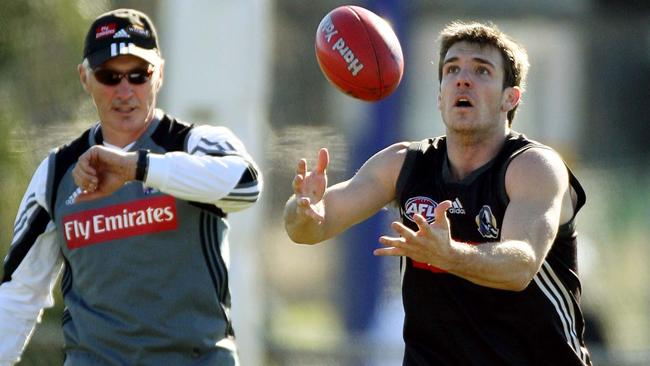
{"x": 487, "y": 223}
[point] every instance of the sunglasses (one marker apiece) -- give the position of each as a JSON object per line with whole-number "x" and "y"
{"x": 136, "y": 76}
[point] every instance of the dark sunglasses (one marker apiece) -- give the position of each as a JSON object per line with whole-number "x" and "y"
{"x": 136, "y": 76}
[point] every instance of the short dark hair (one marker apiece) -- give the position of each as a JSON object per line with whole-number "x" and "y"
{"x": 515, "y": 58}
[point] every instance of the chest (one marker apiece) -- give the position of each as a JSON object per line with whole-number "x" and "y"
{"x": 477, "y": 207}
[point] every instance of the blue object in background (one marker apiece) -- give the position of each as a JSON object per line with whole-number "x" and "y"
{"x": 362, "y": 277}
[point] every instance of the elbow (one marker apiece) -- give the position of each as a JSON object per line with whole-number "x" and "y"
{"x": 241, "y": 197}
{"x": 517, "y": 286}
{"x": 521, "y": 279}
{"x": 298, "y": 237}
{"x": 525, "y": 267}
{"x": 231, "y": 205}
{"x": 300, "y": 234}
{"x": 302, "y": 241}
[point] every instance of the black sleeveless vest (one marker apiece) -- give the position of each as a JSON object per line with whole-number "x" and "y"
{"x": 451, "y": 321}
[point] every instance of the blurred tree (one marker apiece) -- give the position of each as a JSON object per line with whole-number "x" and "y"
{"x": 10, "y": 165}
{"x": 39, "y": 41}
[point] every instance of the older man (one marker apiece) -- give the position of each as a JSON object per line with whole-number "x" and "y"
{"x": 134, "y": 211}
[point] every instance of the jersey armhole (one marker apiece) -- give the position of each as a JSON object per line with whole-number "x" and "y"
{"x": 503, "y": 194}
{"x": 413, "y": 150}
{"x": 573, "y": 181}
{"x": 581, "y": 198}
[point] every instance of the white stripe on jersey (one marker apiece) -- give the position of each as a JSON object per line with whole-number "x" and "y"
{"x": 28, "y": 212}
{"x": 219, "y": 146}
{"x": 552, "y": 287}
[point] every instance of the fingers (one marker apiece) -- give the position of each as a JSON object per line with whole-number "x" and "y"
{"x": 306, "y": 208}
{"x": 422, "y": 223}
{"x": 410, "y": 243}
{"x": 85, "y": 164}
{"x": 84, "y": 174}
{"x": 403, "y": 230}
{"x": 441, "y": 213}
{"x": 389, "y": 252}
{"x": 89, "y": 196}
{"x": 394, "y": 247}
{"x": 302, "y": 173}
{"x": 301, "y": 169}
{"x": 83, "y": 197}
{"x": 323, "y": 161}
{"x": 297, "y": 184}
{"x": 421, "y": 243}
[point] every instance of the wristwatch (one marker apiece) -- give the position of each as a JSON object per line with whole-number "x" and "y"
{"x": 142, "y": 165}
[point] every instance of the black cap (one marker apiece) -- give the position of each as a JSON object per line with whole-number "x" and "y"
{"x": 121, "y": 32}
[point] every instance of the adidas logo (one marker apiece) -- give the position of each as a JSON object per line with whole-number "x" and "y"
{"x": 456, "y": 207}
{"x": 70, "y": 200}
{"x": 122, "y": 34}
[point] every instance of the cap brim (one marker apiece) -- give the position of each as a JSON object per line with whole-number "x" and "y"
{"x": 101, "y": 56}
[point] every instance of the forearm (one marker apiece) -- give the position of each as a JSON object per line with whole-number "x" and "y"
{"x": 301, "y": 228}
{"x": 509, "y": 265}
{"x": 205, "y": 178}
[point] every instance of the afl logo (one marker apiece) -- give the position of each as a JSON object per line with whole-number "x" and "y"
{"x": 420, "y": 205}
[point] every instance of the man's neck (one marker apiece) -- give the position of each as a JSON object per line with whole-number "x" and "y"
{"x": 121, "y": 138}
{"x": 468, "y": 152}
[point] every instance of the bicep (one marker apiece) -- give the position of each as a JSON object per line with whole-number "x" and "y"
{"x": 536, "y": 181}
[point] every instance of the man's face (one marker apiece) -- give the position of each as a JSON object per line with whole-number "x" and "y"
{"x": 472, "y": 97}
{"x": 126, "y": 108}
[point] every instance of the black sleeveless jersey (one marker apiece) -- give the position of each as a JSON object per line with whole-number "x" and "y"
{"x": 451, "y": 321}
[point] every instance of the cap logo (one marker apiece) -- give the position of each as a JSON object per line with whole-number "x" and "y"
{"x": 121, "y": 49}
{"x": 136, "y": 29}
{"x": 121, "y": 34}
{"x": 105, "y": 30}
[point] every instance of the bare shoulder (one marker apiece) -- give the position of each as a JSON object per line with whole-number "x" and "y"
{"x": 539, "y": 155}
{"x": 388, "y": 160}
{"x": 535, "y": 172}
{"x": 381, "y": 170}
{"x": 393, "y": 154}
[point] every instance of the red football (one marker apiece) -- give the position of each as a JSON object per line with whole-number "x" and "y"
{"x": 359, "y": 53}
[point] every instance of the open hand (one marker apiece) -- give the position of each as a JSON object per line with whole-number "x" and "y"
{"x": 309, "y": 187}
{"x": 431, "y": 243}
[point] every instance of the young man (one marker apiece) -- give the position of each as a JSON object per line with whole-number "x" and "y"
{"x": 134, "y": 211}
{"x": 486, "y": 237}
